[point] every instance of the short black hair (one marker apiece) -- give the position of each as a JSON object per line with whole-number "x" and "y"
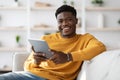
{"x": 66, "y": 8}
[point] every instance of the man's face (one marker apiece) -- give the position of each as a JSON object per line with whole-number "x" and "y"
{"x": 67, "y": 24}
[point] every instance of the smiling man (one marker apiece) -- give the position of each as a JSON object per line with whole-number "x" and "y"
{"x": 68, "y": 48}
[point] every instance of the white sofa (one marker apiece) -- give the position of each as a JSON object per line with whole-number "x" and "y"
{"x": 18, "y": 61}
{"x": 105, "y": 66}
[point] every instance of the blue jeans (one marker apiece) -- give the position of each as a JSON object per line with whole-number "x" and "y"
{"x": 20, "y": 76}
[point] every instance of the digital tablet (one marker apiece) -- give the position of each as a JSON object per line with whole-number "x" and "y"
{"x": 40, "y": 46}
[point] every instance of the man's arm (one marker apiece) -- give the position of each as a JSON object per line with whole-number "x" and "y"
{"x": 29, "y": 63}
{"x": 93, "y": 48}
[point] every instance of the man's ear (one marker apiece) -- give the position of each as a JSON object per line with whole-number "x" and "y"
{"x": 76, "y": 20}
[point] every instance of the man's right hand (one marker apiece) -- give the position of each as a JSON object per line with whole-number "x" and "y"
{"x": 38, "y": 57}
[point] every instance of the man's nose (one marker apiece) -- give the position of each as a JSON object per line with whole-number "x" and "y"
{"x": 65, "y": 23}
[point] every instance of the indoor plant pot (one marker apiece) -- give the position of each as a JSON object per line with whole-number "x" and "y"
{"x": 97, "y": 2}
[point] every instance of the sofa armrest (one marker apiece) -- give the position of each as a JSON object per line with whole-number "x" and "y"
{"x": 18, "y": 61}
{"x": 105, "y": 66}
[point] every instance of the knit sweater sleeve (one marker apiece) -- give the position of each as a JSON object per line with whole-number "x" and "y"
{"x": 93, "y": 48}
{"x": 29, "y": 63}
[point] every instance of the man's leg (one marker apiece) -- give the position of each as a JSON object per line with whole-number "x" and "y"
{"x": 20, "y": 76}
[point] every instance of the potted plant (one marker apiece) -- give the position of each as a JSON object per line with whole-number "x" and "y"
{"x": 97, "y": 2}
{"x": 64, "y": 2}
{"x": 119, "y": 21}
{"x": 16, "y": 0}
{"x": 47, "y": 33}
{"x": 18, "y": 40}
{"x": 72, "y": 3}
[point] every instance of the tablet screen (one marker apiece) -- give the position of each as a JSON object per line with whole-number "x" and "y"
{"x": 40, "y": 46}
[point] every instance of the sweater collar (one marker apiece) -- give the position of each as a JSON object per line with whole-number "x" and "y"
{"x": 68, "y": 39}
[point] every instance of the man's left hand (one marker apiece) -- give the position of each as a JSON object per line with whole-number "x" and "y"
{"x": 59, "y": 57}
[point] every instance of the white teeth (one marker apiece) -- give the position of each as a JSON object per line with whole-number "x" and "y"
{"x": 66, "y": 28}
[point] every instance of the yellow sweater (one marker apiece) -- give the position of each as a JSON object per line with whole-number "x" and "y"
{"x": 82, "y": 47}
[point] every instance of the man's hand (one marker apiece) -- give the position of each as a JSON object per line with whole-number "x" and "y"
{"x": 60, "y": 57}
{"x": 39, "y": 57}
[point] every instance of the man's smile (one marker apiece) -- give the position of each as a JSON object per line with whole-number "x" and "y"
{"x": 66, "y": 29}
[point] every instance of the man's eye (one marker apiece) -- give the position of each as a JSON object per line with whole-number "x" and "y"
{"x": 70, "y": 19}
{"x": 59, "y": 21}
